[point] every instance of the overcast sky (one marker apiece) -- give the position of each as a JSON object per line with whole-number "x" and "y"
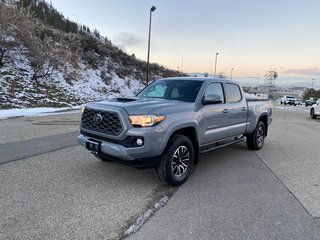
{"x": 251, "y": 36}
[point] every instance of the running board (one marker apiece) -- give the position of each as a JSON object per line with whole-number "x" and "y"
{"x": 221, "y": 145}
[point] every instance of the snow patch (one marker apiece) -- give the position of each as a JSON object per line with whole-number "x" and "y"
{"x": 292, "y": 109}
{"x": 30, "y": 112}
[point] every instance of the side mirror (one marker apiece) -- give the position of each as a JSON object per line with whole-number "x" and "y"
{"x": 212, "y": 99}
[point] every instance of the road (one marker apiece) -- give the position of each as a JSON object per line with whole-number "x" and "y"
{"x": 53, "y": 189}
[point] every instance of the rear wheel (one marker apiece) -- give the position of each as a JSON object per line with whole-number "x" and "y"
{"x": 255, "y": 140}
{"x": 177, "y": 160}
{"x": 312, "y": 115}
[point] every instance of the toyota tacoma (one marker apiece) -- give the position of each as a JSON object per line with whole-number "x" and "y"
{"x": 171, "y": 121}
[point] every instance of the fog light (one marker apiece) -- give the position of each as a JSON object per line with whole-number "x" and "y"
{"x": 139, "y": 142}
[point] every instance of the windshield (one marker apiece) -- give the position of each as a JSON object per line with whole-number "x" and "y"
{"x": 183, "y": 90}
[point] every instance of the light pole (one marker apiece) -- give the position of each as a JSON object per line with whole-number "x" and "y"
{"x": 231, "y": 74}
{"x": 312, "y": 83}
{"x": 215, "y": 65}
{"x": 152, "y": 9}
{"x": 181, "y": 69}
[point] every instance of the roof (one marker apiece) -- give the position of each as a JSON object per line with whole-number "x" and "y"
{"x": 200, "y": 79}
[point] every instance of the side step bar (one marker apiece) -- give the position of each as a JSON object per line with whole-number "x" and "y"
{"x": 237, "y": 140}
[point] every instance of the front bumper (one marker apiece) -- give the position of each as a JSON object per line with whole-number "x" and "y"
{"x": 152, "y": 136}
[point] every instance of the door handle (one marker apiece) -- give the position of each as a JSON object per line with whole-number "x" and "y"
{"x": 243, "y": 108}
{"x": 225, "y": 111}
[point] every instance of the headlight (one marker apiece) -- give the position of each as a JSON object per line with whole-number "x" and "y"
{"x": 145, "y": 120}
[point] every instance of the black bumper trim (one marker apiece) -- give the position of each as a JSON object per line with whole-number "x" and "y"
{"x": 140, "y": 163}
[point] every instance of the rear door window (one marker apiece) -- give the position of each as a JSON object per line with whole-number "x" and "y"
{"x": 233, "y": 93}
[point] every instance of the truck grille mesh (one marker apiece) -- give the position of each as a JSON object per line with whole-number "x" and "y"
{"x": 101, "y": 121}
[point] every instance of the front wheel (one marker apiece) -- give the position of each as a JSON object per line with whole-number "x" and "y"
{"x": 177, "y": 160}
{"x": 312, "y": 115}
{"x": 255, "y": 139}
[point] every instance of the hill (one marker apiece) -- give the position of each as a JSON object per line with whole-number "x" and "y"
{"x": 48, "y": 60}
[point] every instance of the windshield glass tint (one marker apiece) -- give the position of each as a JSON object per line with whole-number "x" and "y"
{"x": 183, "y": 90}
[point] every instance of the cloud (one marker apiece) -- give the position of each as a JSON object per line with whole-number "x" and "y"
{"x": 303, "y": 71}
{"x": 128, "y": 40}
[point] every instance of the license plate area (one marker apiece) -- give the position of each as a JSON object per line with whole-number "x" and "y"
{"x": 93, "y": 146}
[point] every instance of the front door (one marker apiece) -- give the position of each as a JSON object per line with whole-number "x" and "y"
{"x": 214, "y": 123}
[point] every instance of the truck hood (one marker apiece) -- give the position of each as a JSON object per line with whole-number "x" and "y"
{"x": 142, "y": 105}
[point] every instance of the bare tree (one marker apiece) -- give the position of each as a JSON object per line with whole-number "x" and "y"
{"x": 8, "y": 30}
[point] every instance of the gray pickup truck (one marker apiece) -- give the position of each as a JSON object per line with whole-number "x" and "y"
{"x": 171, "y": 122}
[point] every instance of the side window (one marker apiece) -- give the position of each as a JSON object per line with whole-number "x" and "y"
{"x": 214, "y": 90}
{"x": 233, "y": 93}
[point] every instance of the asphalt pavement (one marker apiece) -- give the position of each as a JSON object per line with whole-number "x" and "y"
{"x": 232, "y": 195}
{"x": 52, "y": 189}
{"x": 14, "y": 151}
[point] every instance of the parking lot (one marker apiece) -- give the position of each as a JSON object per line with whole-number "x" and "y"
{"x": 53, "y": 189}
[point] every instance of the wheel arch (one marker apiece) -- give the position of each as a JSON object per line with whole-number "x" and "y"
{"x": 191, "y": 133}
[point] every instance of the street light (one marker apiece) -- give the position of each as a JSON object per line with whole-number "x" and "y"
{"x": 152, "y": 9}
{"x": 215, "y": 65}
{"x": 181, "y": 69}
{"x": 231, "y": 74}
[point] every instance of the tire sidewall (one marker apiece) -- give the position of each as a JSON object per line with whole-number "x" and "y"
{"x": 312, "y": 113}
{"x": 176, "y": 142}
{"x": 260, "y": 125}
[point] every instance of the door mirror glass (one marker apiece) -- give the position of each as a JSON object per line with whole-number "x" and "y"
{"x": 212, "y": 99}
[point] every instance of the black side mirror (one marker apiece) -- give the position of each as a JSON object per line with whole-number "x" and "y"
{"x": 212, "y": 99}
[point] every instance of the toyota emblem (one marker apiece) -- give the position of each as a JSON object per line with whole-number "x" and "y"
{"x": 97, "y": 118}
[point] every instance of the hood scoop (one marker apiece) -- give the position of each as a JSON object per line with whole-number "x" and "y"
{"x": 122, "y": 99}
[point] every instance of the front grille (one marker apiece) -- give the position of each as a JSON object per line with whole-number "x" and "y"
{"x": 101, "y": 121}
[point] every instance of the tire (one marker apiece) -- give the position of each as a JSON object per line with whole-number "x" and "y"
{"x": 255, "y": 140}
{"x": 177, "y": 161}
{"x": 312, "y": 115}
{"x": 102, "y": 158}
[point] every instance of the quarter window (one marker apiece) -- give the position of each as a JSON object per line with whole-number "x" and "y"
{"x": 233, "y": 93}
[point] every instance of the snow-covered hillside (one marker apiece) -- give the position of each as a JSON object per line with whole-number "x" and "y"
{"x": 18, "y": 89}
{"x": 48, "y": 65}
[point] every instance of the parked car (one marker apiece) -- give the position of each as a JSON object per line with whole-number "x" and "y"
{"x": 315, "y": 109}
{"x": 311, "y": 101}
{"x": 290, "y": 100}
{"x": 299, "y": 102}
{"x": 171, "y": 121}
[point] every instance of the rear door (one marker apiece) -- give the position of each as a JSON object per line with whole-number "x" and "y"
{"x": 237, "y": 109}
